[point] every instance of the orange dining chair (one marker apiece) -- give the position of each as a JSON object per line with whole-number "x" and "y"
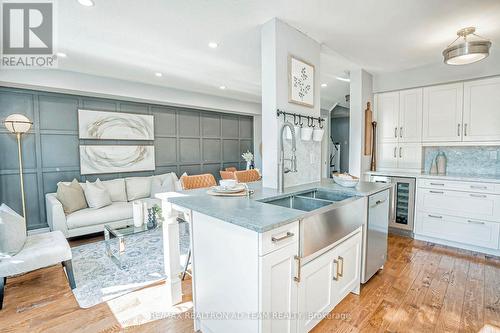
{"x": 232, "y": 169}
{"x": 227, "y": 174}
{"x": 198, "y": 181}
{"x": 247, "y": 176}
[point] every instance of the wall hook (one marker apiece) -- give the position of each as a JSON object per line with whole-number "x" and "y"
{"x": 320, "y": 122}
{"x": 295, "y": 119}
{"x": 300, "y": 121}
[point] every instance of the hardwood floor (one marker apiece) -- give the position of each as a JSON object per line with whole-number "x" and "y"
{"x": 422, "y": 288}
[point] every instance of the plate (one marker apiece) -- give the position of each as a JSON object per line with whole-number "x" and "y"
{"x": 236, "y": 189}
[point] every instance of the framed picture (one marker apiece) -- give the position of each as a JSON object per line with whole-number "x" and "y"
{"x": 103, "y": 125}
{"x": 116, "y": 159}
{"x": 300, "y": 82}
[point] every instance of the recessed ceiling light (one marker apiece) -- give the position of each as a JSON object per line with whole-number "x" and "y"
{"x": 222, "y": 87}
{"x": 324, "y": 85}
{"x": 345, "y": 79}
{"x": 61, "y": 55}
{"x": 213, "y": 45}
{"x": 158, "y": 74}
{"x": 87, "y": 3}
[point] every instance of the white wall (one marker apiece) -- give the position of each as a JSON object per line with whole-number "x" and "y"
{"x": 279, "y": 40}
{"x": 361, "y": 93}
{"x": 436, "y": 74}
{"x": 96, "y": 86}
{"x": 257, "y": 141}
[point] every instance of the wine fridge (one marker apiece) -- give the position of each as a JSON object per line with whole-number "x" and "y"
{"x": 402, "y": 201}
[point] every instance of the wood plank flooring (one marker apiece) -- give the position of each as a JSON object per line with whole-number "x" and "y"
{"x": 423, "y": 288}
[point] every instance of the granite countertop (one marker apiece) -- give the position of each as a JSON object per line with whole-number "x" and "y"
{"x": 258, "y": 216}
{"x": 471, "y": 177}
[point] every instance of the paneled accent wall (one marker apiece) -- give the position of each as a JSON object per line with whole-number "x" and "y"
{"x": 186, "y": 140}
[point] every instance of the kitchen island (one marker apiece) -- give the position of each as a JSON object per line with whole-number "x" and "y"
{"x": 262, "y": 265}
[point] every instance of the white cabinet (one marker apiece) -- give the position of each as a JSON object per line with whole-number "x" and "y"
{"x": 410, "y": 115}
{"x": 347, "y": 258}
{"x": 442, "y": 113}
{"x": 481, "y": 119}
{"x": 387, "y": 155}
{"x": 279, "y": 289}
{"x": 387, "y": 113}
{"x": 402, "y": 155}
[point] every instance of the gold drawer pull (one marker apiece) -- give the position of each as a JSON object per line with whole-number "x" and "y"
{"x": 297, "y": 278}
{"x": 278, "y": 239}
{"x": 435, "y": 216}
{"x": 437, "y": 184}
{"x": 478, "y": 195}
{"x": 475, "y": 222}
{"x": 341, "y": 274}
{"x": 336, "y": 262}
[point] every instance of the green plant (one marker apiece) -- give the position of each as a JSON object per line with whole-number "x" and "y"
{"x": 158, "y": 212}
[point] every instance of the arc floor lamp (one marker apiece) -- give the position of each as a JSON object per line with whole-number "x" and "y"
{"x": 19, "y": 124}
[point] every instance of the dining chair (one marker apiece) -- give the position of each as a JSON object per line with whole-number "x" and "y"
{"x": 198, "y": 181}
{"x": 247, "y": 176}
{"x": 232, "y": 169}
{"x": 226, "y": 174}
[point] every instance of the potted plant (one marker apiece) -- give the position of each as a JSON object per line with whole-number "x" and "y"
{"x": 248, "y": 157}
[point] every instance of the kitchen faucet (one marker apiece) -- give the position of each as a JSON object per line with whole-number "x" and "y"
{"x": 293, "y": 159}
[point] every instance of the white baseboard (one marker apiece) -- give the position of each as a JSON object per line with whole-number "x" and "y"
{"x": 458, "y": 245}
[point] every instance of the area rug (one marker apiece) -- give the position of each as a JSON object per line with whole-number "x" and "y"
{"x": 99, "y": 279}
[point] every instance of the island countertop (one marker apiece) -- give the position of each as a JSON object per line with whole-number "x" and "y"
{"x": 252, "y": 214}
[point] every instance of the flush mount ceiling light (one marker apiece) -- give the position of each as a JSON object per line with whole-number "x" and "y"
{"x": 468, "y": 51}
{"x": 213, "y": 45}
{"x": 86, "y": 3}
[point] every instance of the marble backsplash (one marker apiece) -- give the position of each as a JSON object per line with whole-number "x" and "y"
{"x": 475, "y": 160}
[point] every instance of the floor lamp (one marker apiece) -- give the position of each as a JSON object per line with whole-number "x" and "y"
{"x": 19, "y": 124}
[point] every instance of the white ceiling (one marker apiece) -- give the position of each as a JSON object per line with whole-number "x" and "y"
{"x": 132, "y": 40}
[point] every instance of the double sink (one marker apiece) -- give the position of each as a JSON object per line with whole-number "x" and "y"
{"x": 329, "y": 217}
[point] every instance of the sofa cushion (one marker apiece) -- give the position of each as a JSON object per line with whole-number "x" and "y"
{"x": 178, "y": 182}
{"x": 115, "y": 212}
{"x": 12, "y": 232}
{"x": 96, "y": 194}
{"x": 163, "y": 183}
{"x": 116, "y": 189}
{"x": 138, "y": 187}
{"x": 71, "y": 196}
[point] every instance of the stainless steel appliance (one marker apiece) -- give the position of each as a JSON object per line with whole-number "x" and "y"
{"x": 402, "y": 202}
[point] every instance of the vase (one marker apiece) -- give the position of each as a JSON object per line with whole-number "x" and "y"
{"x": 249, "y": 164}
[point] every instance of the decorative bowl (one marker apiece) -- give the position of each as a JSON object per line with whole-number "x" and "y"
{"x": 345, "y": 180}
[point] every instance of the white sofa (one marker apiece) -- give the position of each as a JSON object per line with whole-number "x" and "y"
{"x": 119, "y": 213}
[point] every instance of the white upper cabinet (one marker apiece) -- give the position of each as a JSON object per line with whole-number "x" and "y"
{"x": 387, "y": 155}
{"x": 442, "y": 113}
{"x": 481, "y": 121}
{"x": 410, "y": 115}
{"x": 387, "y": 112}
{"x": 410, "y": 155}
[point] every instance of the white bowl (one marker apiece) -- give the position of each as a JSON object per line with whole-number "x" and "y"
{"x": 345, "y": 182}
{"x": 227, "y": 183}
{"x": 318, "y": 134}
{"x": 306, "y": 133}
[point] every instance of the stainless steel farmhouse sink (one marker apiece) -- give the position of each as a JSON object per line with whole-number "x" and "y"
{"x": 330, "y": 216}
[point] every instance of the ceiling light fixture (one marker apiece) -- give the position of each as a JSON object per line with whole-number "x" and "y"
{"x": 345, "y": 79}
{"x": 158, "y": 74}
{"x": 222, "y": 87}
{"x": 466, "y": 52}
{"x": 61, "y": 55}
{"x": 213, "y": 45}
{"x": 324, "y": 85}
{"x": 86, "y": 3}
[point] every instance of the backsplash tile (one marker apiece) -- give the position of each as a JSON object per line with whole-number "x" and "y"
{"x": 476, "y": 160}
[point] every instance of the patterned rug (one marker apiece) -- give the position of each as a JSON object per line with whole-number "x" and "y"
{"x": 98, "y": 279}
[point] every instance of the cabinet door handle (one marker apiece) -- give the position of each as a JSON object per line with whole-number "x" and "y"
{"x": 437, "y": 184}
{"x": 336, "y": 277}
{"x": 341, "y": 274}
{"x": 297, "y": 278}
{"x": 458, "y": 130}
{"x": 479, "y": 187}
{"x": 400, "y": 152}
{"x": 395, "y": 132}
{"x": 435, "y": 216}
{"x": 465, "y": 129}
{"x": 437, "y": 192}
{"x": 395, "y": 148}
{"x": 401, "y": 132}
{"x": 478, "y": 195}
{"x": 378, "y": 202}
{"x": 475, "y": 222}
{"x": 278, "y": 239}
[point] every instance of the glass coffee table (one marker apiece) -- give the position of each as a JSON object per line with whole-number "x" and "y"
{"x": 120, "y": 233}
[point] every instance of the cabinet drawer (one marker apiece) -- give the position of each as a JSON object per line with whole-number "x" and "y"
{"x": 278, "y": 238}
{"x": 463, "y": 204}
{"x": 459, "y": 185}
{"x": 461, "y": 230}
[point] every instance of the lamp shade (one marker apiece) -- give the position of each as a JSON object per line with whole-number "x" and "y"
{"x": 18, "y": 123}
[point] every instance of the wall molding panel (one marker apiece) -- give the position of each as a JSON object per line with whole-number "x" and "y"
{"x": 186, "y": 140}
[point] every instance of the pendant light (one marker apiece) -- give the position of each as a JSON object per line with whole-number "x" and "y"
{"x": 466, "y": 52}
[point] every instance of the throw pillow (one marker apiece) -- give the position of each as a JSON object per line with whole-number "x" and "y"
{"x": 178, "y": 182}
{"x": 71, "y": 196}
{"x": 116, "y": 189}
{"x": 96, "y": 194}
{"x": 162, "y": 183}
{"x": 138, "y": 187}
{"x": 12, "y": 232}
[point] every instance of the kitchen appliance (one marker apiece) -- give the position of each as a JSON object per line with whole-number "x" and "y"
{"x": 402, "y": 203}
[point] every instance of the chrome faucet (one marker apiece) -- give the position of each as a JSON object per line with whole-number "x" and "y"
{"x": 293, "y": 159}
